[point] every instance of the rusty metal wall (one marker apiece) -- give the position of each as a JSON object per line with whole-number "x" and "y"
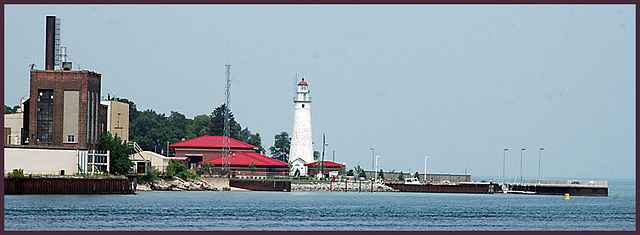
{"x": 458, "y": 188}
{"x": 68, "y": 186}
{"x": 562, "y": 190}
{"x": 262, "y": 185}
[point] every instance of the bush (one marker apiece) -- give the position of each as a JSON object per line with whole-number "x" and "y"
{"x": 177, "y": 168}
{"x": 16, "y": 174}
{"x": 188, "y": 174}
{"x": 150, "y": 177}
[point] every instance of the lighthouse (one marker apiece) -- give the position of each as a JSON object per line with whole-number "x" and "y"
{"x": 301, "y": 142}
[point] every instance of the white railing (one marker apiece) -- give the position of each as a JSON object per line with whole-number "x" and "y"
{"x": 92, "y": 161}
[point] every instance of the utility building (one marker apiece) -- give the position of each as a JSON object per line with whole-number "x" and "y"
{"x": 64, "y": 106}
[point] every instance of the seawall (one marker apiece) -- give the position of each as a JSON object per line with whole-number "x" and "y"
{"x": 69, "y": 185}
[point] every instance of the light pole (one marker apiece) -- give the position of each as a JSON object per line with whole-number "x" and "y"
{"x": 504, "y": 154}
{"x": 521, "y": 164}
{"x": 372, "y": 160}
{"x": 541, "y": 149}
{"x": 324, "y": 143}
{"x": 376, "y": 172}
{"x": 425, "y": 168}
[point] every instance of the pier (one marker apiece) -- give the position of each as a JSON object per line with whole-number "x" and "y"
{"x": 560, "y": 187}
{"x": 69, "y": 185}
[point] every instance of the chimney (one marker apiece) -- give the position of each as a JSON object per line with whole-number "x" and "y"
{"x": 49, "y": 54}
{"x": 63, "y": 58}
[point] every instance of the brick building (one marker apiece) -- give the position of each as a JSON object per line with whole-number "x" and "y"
{"x": 64, "y": 107}
{"x": 206, "y": 147}
{"x": 240, "y": 162}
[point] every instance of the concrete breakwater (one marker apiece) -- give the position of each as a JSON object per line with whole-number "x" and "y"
{"x": 340, "y": 187}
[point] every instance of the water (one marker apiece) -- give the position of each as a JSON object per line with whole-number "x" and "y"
{"x": 322, "y": 211}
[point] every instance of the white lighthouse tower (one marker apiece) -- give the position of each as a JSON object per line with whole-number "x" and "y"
{"x": 301, "y": 142}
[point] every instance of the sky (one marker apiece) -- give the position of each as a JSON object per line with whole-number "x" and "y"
{"x": 457, "y": 83}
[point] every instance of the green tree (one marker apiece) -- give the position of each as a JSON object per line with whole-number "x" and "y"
{"x": 280, "y": 148}
{"x": 150, "y": 130}
{"x": 359, "y": 171}
{"x": 13, "y": 109}
{"x": 119, "y": 162}
{"x": 256, "y": 140}
{"x": 252, "y": 167}
{"x": 316, "y": 156}
{"x": 350, "y": 172}
{"x": 199, "y": 126}
{"x": 381, "y": 174}
{"x": 216, "y": 126}
{"x": 401, "y": 176}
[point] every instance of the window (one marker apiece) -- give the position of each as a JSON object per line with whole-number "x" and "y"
{"x": 302, "y": 105}
{"x": 71, "y": 138}
{"x": 45, "y": 116}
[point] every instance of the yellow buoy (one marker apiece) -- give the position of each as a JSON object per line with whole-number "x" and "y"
{"x": 566, "y": 196}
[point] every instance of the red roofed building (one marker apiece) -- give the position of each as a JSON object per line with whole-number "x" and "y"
{"x": 315, "y": 167}
{"x": 207, "y": 147}
{"x": 240, "y": 162}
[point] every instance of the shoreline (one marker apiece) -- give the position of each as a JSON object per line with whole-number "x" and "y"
{"x": 211, "y": 184}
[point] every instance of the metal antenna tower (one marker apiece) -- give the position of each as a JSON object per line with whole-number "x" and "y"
{"x": 226, "y": 151}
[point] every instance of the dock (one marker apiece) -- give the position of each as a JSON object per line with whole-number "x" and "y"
{"x": 460, "y": 187}
{"x": 69, "y": 185}
{"x": 560, "y": 187}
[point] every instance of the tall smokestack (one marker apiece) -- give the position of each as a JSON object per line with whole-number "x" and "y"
{"x": 49, "y": 53}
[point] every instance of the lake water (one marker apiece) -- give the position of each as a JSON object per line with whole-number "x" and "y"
{"x": 208, "y": 211}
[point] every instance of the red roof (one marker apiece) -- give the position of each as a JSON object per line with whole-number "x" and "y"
{"x": 326, "y": 164}
{"x": 303, "y": 83}
{"x": 178, "y": 158}
{"x": 246, "y": 158}
{"x": 211, "y": 142}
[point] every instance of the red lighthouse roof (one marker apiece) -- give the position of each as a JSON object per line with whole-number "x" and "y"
{"x": 303, "y": 83}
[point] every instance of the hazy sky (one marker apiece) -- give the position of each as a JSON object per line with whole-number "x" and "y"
{"x": 456, "y": 82}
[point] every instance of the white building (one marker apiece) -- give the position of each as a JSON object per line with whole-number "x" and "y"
{"x": 13, "y": 123}
{"x": 117, "y": 118}
{"x": 299, "y": 166}
{"x": 301, "y": 142}
{"x": 156, "y": 161}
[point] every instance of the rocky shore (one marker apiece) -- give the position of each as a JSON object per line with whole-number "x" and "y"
{"x": 177, "y": 184}
{"x": 340, "y": 187}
